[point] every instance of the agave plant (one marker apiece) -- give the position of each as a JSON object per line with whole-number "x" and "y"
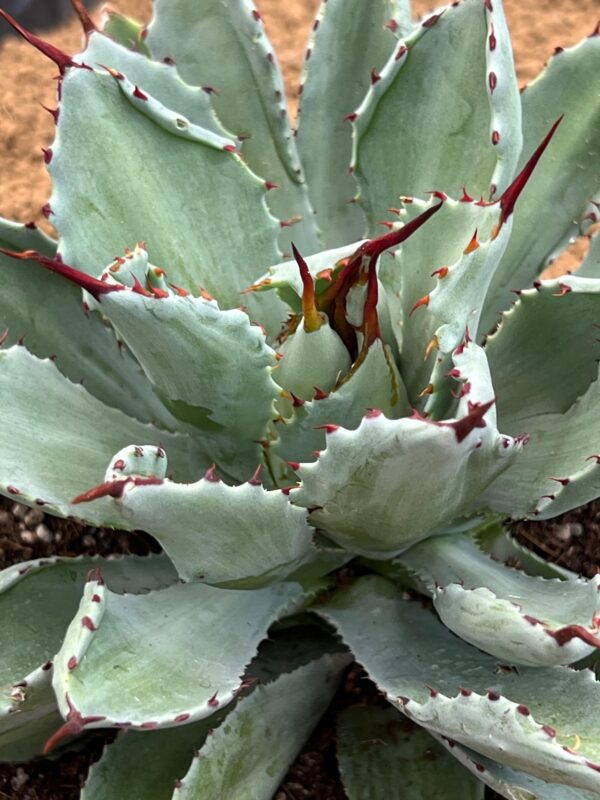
{"x": 345, "y": 444}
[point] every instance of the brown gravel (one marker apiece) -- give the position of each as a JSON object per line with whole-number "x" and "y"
{"x": 572, "y": 540}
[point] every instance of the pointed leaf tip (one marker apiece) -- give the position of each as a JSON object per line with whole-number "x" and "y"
{"x": 512, "y": 194}
{"x": 92, "y": 285}
{"x": 312, "y": 318}
{"x": 62, "y": 60}
{"x": 87, "y": 23}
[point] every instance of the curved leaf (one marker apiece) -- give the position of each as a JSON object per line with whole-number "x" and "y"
{"x": 247, "y": 93}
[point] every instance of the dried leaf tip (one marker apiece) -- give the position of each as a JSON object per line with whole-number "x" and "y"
{"x": 312, "y": 318}
{"x": 61, "y": 59}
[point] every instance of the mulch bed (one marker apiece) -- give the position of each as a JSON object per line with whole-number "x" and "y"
{"x": 572, "y": 540}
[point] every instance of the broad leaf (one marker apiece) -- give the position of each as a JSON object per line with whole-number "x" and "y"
{"x": 349, "y": 40}
{"x": 518, "y": 618}
{"x": 49, "y": 465}
{"x": 383, "y": 756}
{"x": 466, "y": 133}
{"x": 164, "y": 658}
{"x": 539, "y": 720}
{"x": 556, "y": 199}
{"x": 247, "y": 93}
{"x": 381, "y": 488}
{"x": 201, "y": 237}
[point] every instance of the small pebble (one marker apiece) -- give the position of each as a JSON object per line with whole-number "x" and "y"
{"x": 5, "y": 517}
{"x": 28, "y": 537}
{"x": 88, "y": 541}
{"x": 19, "y": 779}
{"x": 563, "y": 532}
{"x": 43, "y": 534}
{"x": 58, "y": 538}
{"x": 33, "y": 517}
{"x": 19, "y": 510}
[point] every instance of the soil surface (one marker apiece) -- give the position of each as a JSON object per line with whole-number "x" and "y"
{"x": 25, "y": 127}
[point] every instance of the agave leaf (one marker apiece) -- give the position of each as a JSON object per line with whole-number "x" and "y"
{"x": 37, "y": 602}
{"x": 169, "y": 335}
{"x": 590, "y": 268}
{"x": 543, "y": 355}
{"x": 557, "y": 470}
{"x": 238, "y": 536}
{"x": 99, "y": 214}
{"x": 124, "y": 30}
{"x": 557, "y": 196}
{"x": 126, "y": 659}
{"x": 250, "y": 752}
{"x": 34, "y": 305}
{"x": 247, "y": 93}
{"x": 375, "y": 384}
{"x": 159, "y": 80}
{"x": 517, "y": 618}
{"x": 538, "y": 720}
{"x": 432, "y": 255}
{"x": 355, "y": 486}
{"x": 31, "y": 717}
{"x": 348, "y": 41}
{"x": 145, "y": 764}
{"x": 383, "y": 756}
{"x": 465, "y": 134}
{"x": 508, "y": 782}
{"x": 49, "y": 465}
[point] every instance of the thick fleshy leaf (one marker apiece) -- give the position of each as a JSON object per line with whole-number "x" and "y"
{"x": 227, "y": 535}
{"x": 250, "y": 752}
{"x": 510, "y": 783}
{"x": 49, "y": 465}
{"x": 126, "y": 659}
{"x": 221, "y": 237}
{"x": 31, "y": 717}
{"x": 558, "y": 469}
{"x": 518, "y": 618}
{"x": 37, "y": 602}
{"x": 375, "y": 384}
{"x": 383, "y": 487}
{"x": 544, "y": 354}
{"x": 157, "y": 79}
{"x": 434, "y": 254}
{"x": 349, "y": 40}
{"x": 383, "y": 756}
{"x": 555, "y": 201}
{"x": 145, "y": 764}
{"x": 468, "y": 131}
{"x": 211, "y": 368}
{"x": 126, "y": 31}
{"x": 539, "y": 720}
{"x": 247, "y": 93}
{"x": 34, "y": 305}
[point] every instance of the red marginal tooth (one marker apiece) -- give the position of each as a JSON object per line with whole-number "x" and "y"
{"x": 255, "y": 479}
{"x": 564, "y": 289}
{"x": 74, "y": 725}
{"x": 473, "y": 419}
{"x": 139, "y": 289}
{"x": 329, "y": 428}
{"x": 211, "y": 474}
{"x": 137, "y": 92}
{"x": 375, "y": 76}
{"x": 270, "y": 185}
{"x": 423, "y": 301}
{"x": 391, "y": 25}
{"x": 400, "y": 52}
